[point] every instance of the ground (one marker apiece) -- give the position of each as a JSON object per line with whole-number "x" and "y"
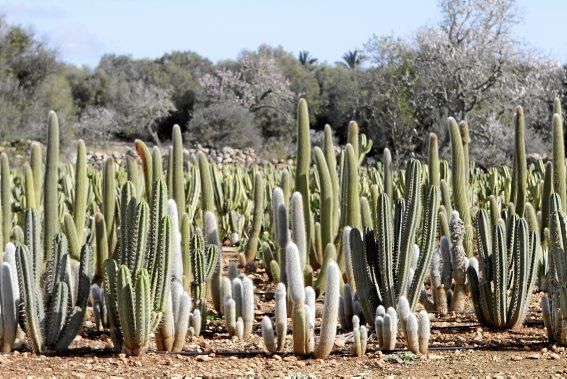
{"x": 459, "y": 347}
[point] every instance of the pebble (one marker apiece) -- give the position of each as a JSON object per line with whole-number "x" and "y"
{"x": 435, "y": 357}
{"x": 203, "y": 358}
{"x": 533, "y": 356}
{"x": 554, "y": 356}
{"x": 516, "y": 358}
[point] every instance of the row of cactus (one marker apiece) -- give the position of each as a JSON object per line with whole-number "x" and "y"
{"x": 153, "y": 263}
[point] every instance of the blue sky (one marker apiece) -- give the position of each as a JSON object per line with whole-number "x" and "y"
{"x": 82, "y": 31}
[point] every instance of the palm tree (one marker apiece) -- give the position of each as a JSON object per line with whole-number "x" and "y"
{"x": 306, "y": 59}
{"x": 352, "y": 59}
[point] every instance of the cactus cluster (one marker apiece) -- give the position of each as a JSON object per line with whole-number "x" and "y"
{"x": 382, "y": 259}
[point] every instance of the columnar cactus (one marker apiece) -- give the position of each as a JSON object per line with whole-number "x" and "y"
{"x": 297, "y": 296}
{"x": 501, "y": 282}
{"x": 330, "y": 312}
{"x": 9, "y": 299}
{"x": 137, "y": 280}
{"x": 51, "y": 324}
{"x": 303, "y": 163}
{"x": 254, "y": 238}
{"x": 459, "y": 176}
{"x": 50, "y": 200}
{"x": 382, "y": 260}
{"x": 459, "y": 262}
{"x": 559, "y": 170}
{"x": 204, "y": 261}
{"x": 554, "y": 304}
{"x": 281, "y": 315}
{"x": 520, "y": 163}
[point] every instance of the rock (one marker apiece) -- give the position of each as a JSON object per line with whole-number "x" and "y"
{"x": 435, "y": 357}
{"x": 554, "y": 356}
{"x": 203, "y": 358}
{"x": 534, "y": 356}
{"x": 516, "y": 358}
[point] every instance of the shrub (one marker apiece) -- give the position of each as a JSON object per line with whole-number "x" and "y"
{"x": 224, "y": 125}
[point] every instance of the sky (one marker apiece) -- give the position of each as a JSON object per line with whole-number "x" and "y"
{"x": 83, "y": 31}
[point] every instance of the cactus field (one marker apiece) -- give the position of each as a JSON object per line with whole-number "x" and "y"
{"x": 171, "y": 264}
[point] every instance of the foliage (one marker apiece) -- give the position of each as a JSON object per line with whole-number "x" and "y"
{"x": 233, "y": 125}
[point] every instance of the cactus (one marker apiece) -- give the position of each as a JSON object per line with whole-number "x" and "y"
{"x": 230, "y": 315}
{"x": 554, "y": 304}
{"x": 6, "y": 199}
{"x": 109, "y": 202}
{"x": 254, "y": 241}
{"x": 434, "y": 174}
{"x": 9, "y": 301}
{"x": 247, "y": 307}
{"x": 297, "y": 297}
{"x": 268, "y": 335}
{"x": 137, "y": 280}
{"x": 441, "y": 276}
{"x": 520, "y": 164}
{"x": 459, "y": 262}
{"x": 99, "y": 307}
{"x": 177, "y": 176}
{"x": 459, "y": 178}
{"x": 281, "y": 315}
{"x": 507, "y": 267}
{"x": 302, "y": 165}
{"x": 381, "y": 261}
{"x": 52, "y": 325}
{"x": 559, "y": 170}
{"x": 331, "y": 161}
{"x": 298, "y": 235}
{"x": 330, "y": 312}
{"x": 50, "y": 201}
{"x": 203, "y": 263}
{"x": 423, "y": 331}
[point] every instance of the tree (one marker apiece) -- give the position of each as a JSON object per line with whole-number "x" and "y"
{"x": 256, "y": 83}
{"x": 306, "y": 59}
{"x": 469, "y": 67}
{"x": 234, "y": 126}
{"x": 353, "y": 59}
{"x": 28, "y": 69}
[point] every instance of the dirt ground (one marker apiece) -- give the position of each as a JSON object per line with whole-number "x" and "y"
{"x": 459, "y": 348}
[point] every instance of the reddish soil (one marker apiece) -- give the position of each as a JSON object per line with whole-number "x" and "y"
{"x": 459, "y": 347}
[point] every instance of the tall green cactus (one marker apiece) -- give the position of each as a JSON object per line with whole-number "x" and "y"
{"x": 204, "y": 260}
{"x": 559, "y": 170}
{"x": 81, "y": 189}
{"x": 178, "y": 178}
{"x": 53, "y": 313}
{"x": 520, "y": 163}
{"x": 507, "y": 265}
{"x": 137, "y": 280}
{"x": 382, "y": 259}
{"x": 50, "y": 197}
{"x": 254, "y": 239}
{"x": 459, "y": 176}
{"x": 331, "y": 160}
{"x": 303, "y": 163}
